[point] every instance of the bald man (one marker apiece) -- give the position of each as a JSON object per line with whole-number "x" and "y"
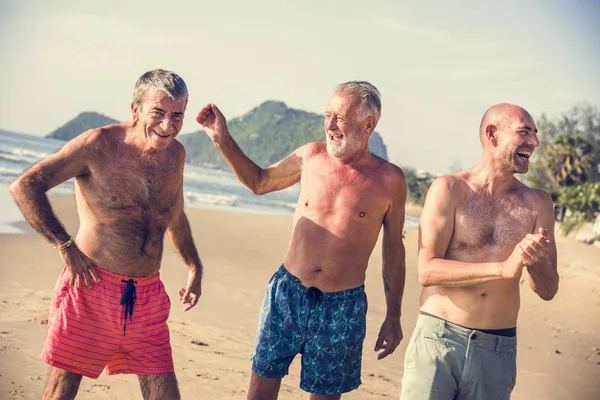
{"x": 479, "y": 231}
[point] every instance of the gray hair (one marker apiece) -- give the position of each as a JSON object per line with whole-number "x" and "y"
{"x": 160, "y": 79}
{"x": 369, "y": 96}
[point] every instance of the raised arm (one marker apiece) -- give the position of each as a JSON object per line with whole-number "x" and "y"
{"x": 543, "y": 276}
{"x": 29, "y": 192}
{"x": 394, "y": 266}
{"x": 278, "y": 176}
{"x": 435, "y": 231}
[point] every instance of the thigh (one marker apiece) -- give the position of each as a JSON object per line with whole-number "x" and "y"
{"x": 262, "y": 388}
{"x": 159, "y": 386}
{"x": 145, "y": 348}
{"x": 81, "y": 338}
{"x": 332, "y": 356}
{"x": 432, "y": 367}
{"x": 280, "y": 332}
{"x": 493, "y": 374}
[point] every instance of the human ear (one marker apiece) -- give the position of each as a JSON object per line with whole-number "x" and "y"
{"x": 491, "y": 133}
{"x": 370, "y": 125}
{"x": 134, "y": 111}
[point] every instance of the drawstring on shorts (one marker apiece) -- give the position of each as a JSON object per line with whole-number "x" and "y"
{"x": 128, "y": 299}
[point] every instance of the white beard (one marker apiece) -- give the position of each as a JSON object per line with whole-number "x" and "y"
{"x": 349, "y": 145}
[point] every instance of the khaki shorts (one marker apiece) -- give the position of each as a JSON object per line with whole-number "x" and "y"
{"x": 447, "y": 361}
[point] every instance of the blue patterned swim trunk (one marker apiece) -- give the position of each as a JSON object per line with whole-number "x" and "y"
{"x": 328, "y": 329}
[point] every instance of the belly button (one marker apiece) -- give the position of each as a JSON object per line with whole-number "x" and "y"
{"x": 362, "y": 214}
{"x": 306, "y": 204}
{"x": 483, "y": 294}
{"x": 114, "y": 198}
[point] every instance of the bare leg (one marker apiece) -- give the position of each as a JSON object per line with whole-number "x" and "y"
{"x": 159, "y": 387}
{"x": 324, "y": 397}
{"x": 62, "y": 385}
{"x": 262, "y": 388}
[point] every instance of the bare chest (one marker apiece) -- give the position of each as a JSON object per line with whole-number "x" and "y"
{"x": 483, "y": 221}
{"x": 132, "y": 189}
{"x": 350, "y": 198}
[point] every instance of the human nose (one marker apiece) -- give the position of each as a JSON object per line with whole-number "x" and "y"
{"x": 534, "y": 141}
{"x": 331, "y": 123}
{"x": 165, "y": 123}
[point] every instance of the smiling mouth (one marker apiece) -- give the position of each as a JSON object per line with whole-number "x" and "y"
{"x": 162, "y": 136}
{"x": 524, "y": 155}
{"x": 336, "y": 138}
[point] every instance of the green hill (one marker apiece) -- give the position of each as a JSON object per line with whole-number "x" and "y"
{"x": 266, "y": 134}
{"x": 80, "y": 124}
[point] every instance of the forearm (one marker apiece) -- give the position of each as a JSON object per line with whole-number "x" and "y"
{"x": 243, "y": 167}
{"x": 450, "y": 273}
{"x": 543, "y": 279}
{"x": 181, "y": 237}
{"x": 394, "y": 276}
{"x": 35, "y": 206}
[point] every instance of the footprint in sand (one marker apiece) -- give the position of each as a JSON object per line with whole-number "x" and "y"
{"x": 207, "y": 376}
{"x": 36, "y": 320}
{"x": 98, "y": 388}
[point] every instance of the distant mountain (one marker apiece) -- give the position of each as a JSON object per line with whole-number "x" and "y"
{"x": 9, "y": 133}
{"x": 80, "y": 124}
{"x": 266, "y": 134}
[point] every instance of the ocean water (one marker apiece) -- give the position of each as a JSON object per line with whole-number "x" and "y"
{"x": 203, "y": 187}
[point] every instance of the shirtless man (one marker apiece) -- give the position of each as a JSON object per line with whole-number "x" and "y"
{"x": 110, "y": 307}
{"x": 315, "y": 303}
{"x": 479, "y": 230}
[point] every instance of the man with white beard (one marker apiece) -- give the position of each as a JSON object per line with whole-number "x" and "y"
{"x": 315, "y": 303}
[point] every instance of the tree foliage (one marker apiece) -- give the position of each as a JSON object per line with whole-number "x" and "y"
{"x": 582, "y": 199}
{"x": 569, "y": 160}
{"x": 267, "y": 134}
{"x": 418, "y": 183}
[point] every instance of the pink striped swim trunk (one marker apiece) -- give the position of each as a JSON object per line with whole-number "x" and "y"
{"x": 88, "y": 329}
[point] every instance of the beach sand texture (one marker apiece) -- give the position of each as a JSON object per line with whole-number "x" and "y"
{"x": 559, "y": 341}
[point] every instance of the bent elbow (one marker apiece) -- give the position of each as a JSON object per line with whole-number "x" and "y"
{"x": 548, "y": 293}
{"x": 423, "y": 278}
{"x": 15, "y": 188}
{"x": 257, "y": 187}
{"x": 547, "y": 296}
{"x": 257, "y": 190}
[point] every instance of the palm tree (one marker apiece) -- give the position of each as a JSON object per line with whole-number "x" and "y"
{"x": 569, "y": 159}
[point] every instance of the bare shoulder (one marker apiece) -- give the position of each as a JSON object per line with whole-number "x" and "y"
{"x": 449, "y": 185}
{"x": 103, "y": 138}
{"x": 311, "y": 149}
{"x": 389, "y": 172}
{"x": 538, "y": 198}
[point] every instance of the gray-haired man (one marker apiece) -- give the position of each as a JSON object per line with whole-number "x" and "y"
{"x": 315, "y": 303}
{"x": 110, "y": 307}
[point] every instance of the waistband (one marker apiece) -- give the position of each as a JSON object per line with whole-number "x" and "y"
{"x": 508, "y": 332}
{"x": 116, "y": 279}
{"x": 443, "y": 328}
{"x": 315, "y": 293}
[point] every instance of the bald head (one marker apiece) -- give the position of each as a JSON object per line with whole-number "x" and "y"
{"x": 502, "y": 116}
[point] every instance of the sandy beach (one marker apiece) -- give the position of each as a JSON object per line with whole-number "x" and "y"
{"x": 559, "y": 341}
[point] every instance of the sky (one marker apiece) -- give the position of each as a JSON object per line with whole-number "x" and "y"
{"x": 438, "y": 64}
